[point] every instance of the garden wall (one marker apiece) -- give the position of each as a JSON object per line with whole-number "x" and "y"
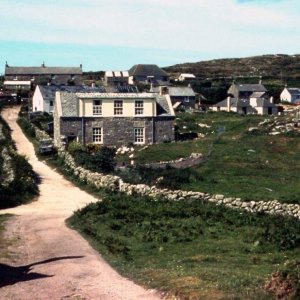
{"x": 115, "y": 183}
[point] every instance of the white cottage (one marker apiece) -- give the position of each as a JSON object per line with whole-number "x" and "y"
{"x": 291, "y": 95}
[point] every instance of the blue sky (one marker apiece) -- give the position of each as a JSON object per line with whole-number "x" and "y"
{"x": 116, "y": 34}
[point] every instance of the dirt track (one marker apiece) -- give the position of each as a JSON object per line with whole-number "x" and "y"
{"x": 48, "y": 260}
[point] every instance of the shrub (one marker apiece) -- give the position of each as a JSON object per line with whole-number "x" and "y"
{"x": 102, "y": 160}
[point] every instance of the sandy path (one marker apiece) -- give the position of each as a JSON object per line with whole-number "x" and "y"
{"x": 73, "y": 270}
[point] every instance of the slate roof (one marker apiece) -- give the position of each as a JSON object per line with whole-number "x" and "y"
{"x": 294, "y": 91}
{"x": 163, "y": 107}
{"x": 43, "y": 70}
{"x": 69, "y": 104}
{"x": 147, "y": 70}
{"x": 179, "y": 91}
{"x": 48, "y": 91}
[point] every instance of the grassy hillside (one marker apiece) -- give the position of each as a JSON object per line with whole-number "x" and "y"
{"x": 279, "y": 67}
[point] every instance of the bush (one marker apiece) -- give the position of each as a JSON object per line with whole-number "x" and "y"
{"x": 102, "y": 160}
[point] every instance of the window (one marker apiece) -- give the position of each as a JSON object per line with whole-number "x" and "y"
{"x": 97, "y": 135}
{"x": 139, "y": 135}
{"x": 51, "y": 103}
{"x": 118, "y": 107}
{"x": 97, "y": 107}
{"x": 139, "y": 107}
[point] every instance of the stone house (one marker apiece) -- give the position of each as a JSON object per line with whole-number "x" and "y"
{"x": 291, "y": 95}
{"x": 148, "y": 74}
{"x": 113, "y": 119}
{"x": 244, "y": 91}
{"x": 44, "y": 75}
{"x": 43, "y": 98}
{"x": 258, "y": 103}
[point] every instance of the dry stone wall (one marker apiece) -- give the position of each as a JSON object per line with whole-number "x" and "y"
{"x": 115, "y": 183}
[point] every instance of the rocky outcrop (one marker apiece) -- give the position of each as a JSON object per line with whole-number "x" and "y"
{"x": 115, "y": 183}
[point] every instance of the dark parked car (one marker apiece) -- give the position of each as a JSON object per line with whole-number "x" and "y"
{"x": 46, "y": 146}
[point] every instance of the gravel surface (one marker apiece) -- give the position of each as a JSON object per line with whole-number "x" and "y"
{"x": 48, "y": 260}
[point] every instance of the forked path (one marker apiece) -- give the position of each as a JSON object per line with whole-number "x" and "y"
{"x": 48, "y": 260}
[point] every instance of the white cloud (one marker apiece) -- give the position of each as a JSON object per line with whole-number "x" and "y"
{"x": 220, "y": 26}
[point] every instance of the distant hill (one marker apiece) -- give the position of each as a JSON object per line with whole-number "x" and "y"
{"x": 278, "y": 66}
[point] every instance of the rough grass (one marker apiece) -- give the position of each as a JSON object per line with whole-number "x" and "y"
{"x": 253, "y": 167}
{"x": 190, "y": 249}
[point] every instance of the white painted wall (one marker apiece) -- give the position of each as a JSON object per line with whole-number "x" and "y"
{"x": 86, "y": 107}
{"x": 37, "y": 100}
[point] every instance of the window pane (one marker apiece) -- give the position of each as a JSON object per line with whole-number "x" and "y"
{"x": 97, "y": 135}
{"x": 138, "y": 135}
{"x": 118, "y": 107}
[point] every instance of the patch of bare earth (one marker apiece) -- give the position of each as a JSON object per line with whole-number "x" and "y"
{"x": 47, "y": 260}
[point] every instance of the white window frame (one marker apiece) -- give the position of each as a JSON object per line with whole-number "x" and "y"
{"x": 118, "y": 107}
{"x": 139, "y": 135}
{"x": 97, "y": 135}
{"x": 97, "y": 108}
{"x": 139, "y": 107}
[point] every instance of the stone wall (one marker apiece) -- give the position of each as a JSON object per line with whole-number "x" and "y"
{"x": 115, "y": 183}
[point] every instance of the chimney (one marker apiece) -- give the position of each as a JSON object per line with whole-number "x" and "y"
{"x": 163, "y": 90}
{"x": 43, "y": 64}
{"x": 260, "y": 80}
{"x": 228, "y": 103}
{"x": 80, "y": 66}
{"x": 93, "y": 84}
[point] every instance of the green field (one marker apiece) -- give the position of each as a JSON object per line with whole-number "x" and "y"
{"x": 238, "y": 164}
{"x": 190, "y": 249}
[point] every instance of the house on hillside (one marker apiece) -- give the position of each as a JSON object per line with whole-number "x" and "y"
{"x": 291, "y": 95}
{"x": 113, "y": 119}
{"x": 244, "y": 91}
{"x": 179, "y": 95}
{"x": 148, "y": 74}
{"x": 43, "y": 75}
{"x": 44, "y": 95}
{"x": 186, "y": 77}
{"x": 259, "y": 103}
{"x": 116, "y": 78}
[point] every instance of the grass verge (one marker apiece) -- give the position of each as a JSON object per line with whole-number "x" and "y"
{"x": 190, "y": 249}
